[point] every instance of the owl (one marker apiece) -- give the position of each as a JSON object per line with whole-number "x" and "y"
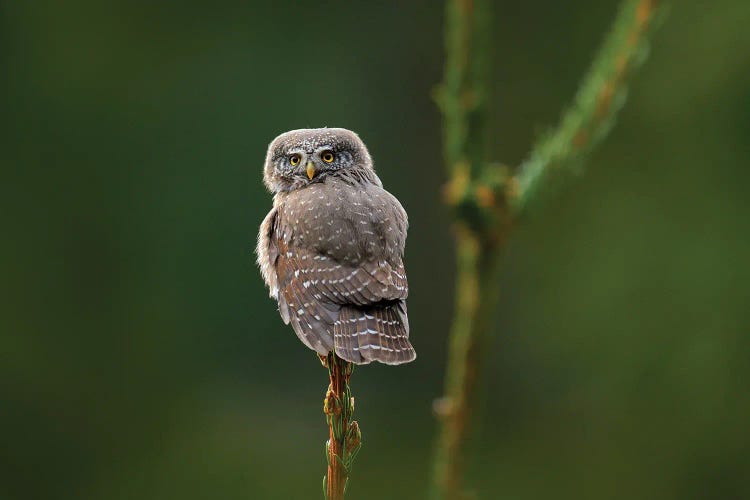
{"x": 331, "y": 249}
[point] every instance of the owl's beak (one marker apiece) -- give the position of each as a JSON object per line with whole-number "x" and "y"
{"x": 310, "y": 170}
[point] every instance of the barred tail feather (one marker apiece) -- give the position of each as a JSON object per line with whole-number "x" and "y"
{"x": 345, "y": 342}
{"x": 373, "y": 333}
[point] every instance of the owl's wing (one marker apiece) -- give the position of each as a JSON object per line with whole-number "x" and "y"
{"x": 312, "y": 317}
{"x": 267, "y": 251}
{"x": 324, "y": 279}
{"x": 359, "y": 310}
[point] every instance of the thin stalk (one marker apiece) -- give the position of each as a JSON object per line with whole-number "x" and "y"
{"x": 476, "y": 297}
{"x": 344, "y": 436}
{"x": 588, "y": 120}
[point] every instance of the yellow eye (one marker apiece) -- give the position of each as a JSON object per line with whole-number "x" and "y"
{"x": 294, "y": 160}
{"x": 327, "y": 157}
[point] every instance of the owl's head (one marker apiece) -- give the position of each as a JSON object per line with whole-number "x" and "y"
{"x": 301, "y": 157}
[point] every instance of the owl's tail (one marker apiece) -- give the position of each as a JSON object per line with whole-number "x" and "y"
{"x": 373, "y": 333}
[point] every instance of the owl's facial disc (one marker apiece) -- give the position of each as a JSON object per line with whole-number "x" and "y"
{"x": 299, "y": 158}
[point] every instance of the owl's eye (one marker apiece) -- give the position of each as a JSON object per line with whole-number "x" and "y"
{"x": 327, "y": 157}
{"x": 294, "y": 160}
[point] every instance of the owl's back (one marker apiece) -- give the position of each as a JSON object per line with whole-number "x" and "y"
{"x": 349, "y": 222}
{"x": 339, "y": 269}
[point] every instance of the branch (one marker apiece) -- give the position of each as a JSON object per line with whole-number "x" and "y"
{"x": 344, "y": 436}
{"x": 461, "y": 98}
{"x": 486, "y": 199}
{"x": 476, "y": 296}
{"x": 600, "y": 96}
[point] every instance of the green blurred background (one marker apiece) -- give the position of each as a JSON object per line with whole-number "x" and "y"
{"x": 140, "y": 356}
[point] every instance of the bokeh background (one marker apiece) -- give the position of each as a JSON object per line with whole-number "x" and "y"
{"x": 141, "y": 358}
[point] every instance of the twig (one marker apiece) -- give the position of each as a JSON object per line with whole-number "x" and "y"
{"x": 600, "y": 96}
{"x": 486, "y": 199}
{"x": 344, "y": 436}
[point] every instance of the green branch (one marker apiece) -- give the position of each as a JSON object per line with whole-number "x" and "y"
{"x": 486, "y": 199}
{"x": 462, "y": 97}
{"x": 600, "y": 96}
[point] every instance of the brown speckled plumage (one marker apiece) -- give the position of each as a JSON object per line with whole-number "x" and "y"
{"x": 331, "y": 249}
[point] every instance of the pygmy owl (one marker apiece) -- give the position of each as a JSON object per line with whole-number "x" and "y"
{"x": 331, "y": 249}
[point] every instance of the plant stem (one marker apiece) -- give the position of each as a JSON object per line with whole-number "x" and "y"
{"x": 601, "y": 94}
{"x": 344, "y": 437}
{"x": 463, "y": 92}
{"x": 476, "y": 296}
{"x": 462, "y": 98}
{"x": 486, "y": 200}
